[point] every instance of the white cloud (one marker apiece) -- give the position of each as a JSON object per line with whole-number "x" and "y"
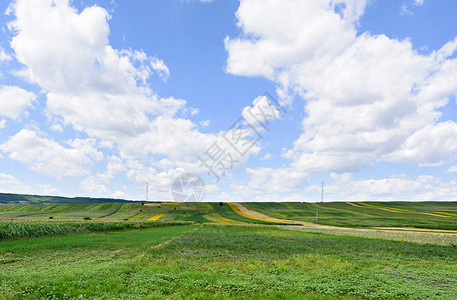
{"x": 46, "y": 156}
{"x": 261, "y": 113}
{"x": 194, "y": 111}
{"x": 118, "y": 195}
{"x": 2, "y": 123}
{"x": 10, "y": 184}
{"x": 405, "y": 7}
{"x": 103, "y": 92}
{"x": 404, "y": 10}
{"x": 433, "y": 145}
{"x": 395, "y": 187}
{"x": 14, "y": 101}
{"x": 368, "y": 97}
{"x": 205, "y": 123}
{"x": 269, "y": 180}
{"x": 95, "y": 185}
{"x": 270, "y": 185}
{"x": 452, "y": 169}
{"x": 4, "y": 56}
{"x": 48, "y": 189}
{"x": 279, "y": 34}
{"x": 88, "y": 147}
{"x": 267, "y": 156}
{"x": 56, "y": 127}
{"x": 159, "y": 66}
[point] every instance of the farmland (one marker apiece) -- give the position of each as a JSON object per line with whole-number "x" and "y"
{"x": 431, "y": 215}
{"x": 225, "y": 251}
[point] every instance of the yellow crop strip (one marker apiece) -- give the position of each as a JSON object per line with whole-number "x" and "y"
{"x": 444, "y": 213}
{"x": 137, "y": 216}
{"x": 171, "y": 203}
{"x": 238, "y": 211}
{"x": 156, "y": 217}
{"x": 217, "y": 218}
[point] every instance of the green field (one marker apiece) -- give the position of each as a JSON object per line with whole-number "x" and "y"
{"x": 211, "y": 251}
{"x": 432, "y": 215}
{"x": 224, "y": 262}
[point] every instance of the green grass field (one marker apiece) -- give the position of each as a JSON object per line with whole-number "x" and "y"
{"x": 224, "y": 262}
{"x": 209, "y": 251}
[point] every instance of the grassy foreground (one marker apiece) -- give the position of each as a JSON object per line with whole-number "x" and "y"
{"x": 224, "y": 262}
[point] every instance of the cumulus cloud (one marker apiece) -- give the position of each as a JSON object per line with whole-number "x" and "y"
{"x": 46, "y": 156}
{"x": 4, "y": 56}
{"x": 10, "y": 184}
{"x": 88, "y": 147}
{"x": 280, "y": 180}
{"x": 102, "y": 92}
{"x": 395, "y": 187}
{"x": 261, "y": 113}
{"x": 267, "y": 156}
{"x": 14, "y": 101}
{"x": 452, "y": 169}
{"x": 368, "y": 97}
{"x": 433, "y": 145}
{"x": 159, "y": 66}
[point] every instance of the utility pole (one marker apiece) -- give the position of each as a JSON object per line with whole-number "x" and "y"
{"x": 322, "y": 191}
{"x": 147, "y": 191}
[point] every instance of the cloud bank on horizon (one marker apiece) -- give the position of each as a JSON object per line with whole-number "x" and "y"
{"x": 372, "y": 115}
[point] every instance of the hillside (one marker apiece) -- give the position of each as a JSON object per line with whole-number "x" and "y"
{"x": 14, "y": 199}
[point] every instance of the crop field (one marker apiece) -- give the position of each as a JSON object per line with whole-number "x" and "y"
{"x": 431, "y": 215}
{"x": 389, "y": 250}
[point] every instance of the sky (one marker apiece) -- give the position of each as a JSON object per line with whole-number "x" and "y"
{"x": 264, "y": 100}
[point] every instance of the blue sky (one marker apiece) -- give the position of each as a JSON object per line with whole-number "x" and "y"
{"x": 97, "y": 98}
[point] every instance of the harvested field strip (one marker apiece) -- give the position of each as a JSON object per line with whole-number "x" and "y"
{"x": 385, "y": 207}
{"x": 430, "y": 213}
{"x": 156, "y": 217}
{"x": 238, "y": 211}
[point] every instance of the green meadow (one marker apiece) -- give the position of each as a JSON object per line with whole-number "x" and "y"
{"x": 209, "y": 251}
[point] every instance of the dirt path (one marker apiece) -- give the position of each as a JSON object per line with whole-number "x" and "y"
{"x": 258, "y": 215}
{"x": 436, "y": 215}
{"x": 416, "y": 229}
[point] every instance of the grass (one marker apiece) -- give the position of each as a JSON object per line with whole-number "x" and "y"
{"x": 224, "y": 262}
{"x": 240, "y": 257}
